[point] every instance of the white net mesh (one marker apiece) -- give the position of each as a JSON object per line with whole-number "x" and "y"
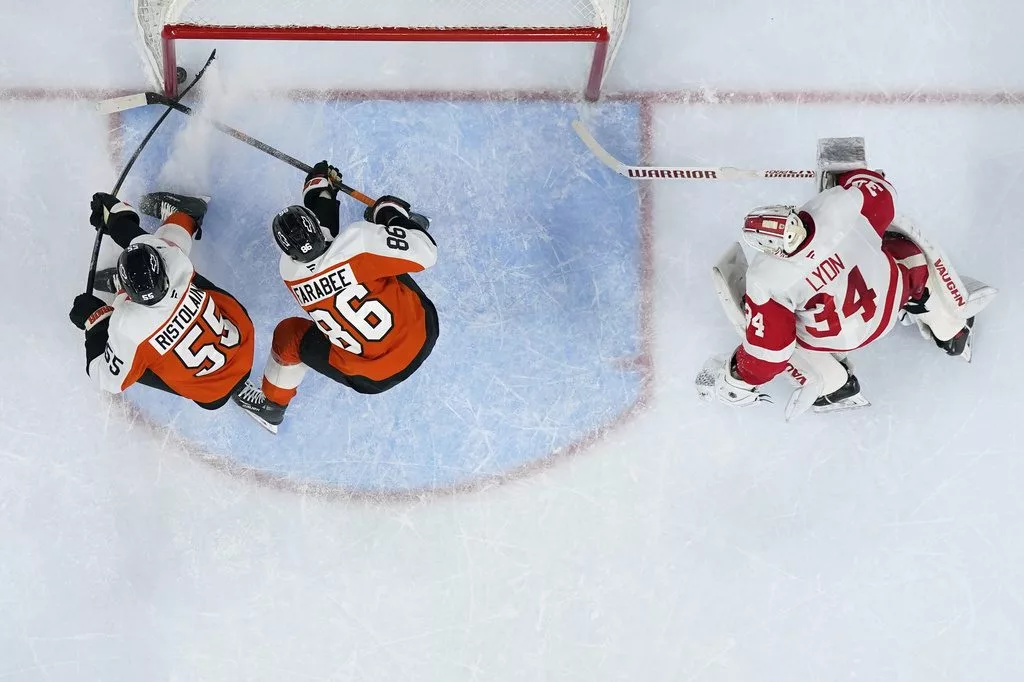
{"x": 153, "y": 15}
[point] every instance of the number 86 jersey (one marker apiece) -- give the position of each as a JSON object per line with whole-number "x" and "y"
{"x": 359, "y": 296}
{"x": 839, "y": 291}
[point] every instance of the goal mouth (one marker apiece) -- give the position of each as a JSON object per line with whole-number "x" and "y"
{"x": 598, "y": 23}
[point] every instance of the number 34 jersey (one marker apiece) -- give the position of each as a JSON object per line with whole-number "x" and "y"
{"x": 840, "y": 291}
{"x": 360, "y": 298}
{"x": 198, "y": 340}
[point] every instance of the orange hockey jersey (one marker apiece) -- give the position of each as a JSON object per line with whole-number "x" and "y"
{"x": 198, "y": 340}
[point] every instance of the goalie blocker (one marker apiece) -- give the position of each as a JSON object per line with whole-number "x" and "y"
{"x": 830, "y": 277}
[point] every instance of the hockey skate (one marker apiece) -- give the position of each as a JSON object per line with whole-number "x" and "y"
{"x": 960, "y": 345}
{"x": 267, "y": 414}
{"x": 846, "y": 397}
{"x": 107, "y": 281}
{"x": 162, "y": 204}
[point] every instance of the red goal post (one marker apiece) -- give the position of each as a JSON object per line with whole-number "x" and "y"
{"x": 601, "y": 22}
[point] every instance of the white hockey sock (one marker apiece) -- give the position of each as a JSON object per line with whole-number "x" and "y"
{"x": 284, "y": 377}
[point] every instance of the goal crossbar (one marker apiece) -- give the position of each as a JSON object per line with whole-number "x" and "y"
{"x": 598, "y": 35}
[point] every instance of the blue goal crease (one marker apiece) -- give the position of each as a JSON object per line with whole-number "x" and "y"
{"x": 537, "y": 284}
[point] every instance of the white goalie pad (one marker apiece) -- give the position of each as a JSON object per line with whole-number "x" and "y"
{"x": 729, "y": 276}
{"x": 962, "y": 297}
{"x": 838, "y": 155}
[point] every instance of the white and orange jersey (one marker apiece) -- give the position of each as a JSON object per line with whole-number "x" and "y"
{"x": 197, "y": 340}
{"x": 356, "y": 296}
{"x": 838, "y": 292}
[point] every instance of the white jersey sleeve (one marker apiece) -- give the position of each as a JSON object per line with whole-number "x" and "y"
{"x": 173, "y": 234}
{"x": 126, "y": 355}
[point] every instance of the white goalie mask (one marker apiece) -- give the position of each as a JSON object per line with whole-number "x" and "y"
{"x": 775, "y": 230}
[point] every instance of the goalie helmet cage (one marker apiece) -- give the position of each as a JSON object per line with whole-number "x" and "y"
{"x": 601, "y": 22}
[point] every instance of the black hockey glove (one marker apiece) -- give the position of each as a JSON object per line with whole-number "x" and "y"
{"x": 386, "y": 209}
{"x": 88, "y": 310}
{"x": 323, "y": 177}
{"x": 117, "y": 218}
{"x": 106, "y": 209}
{"x": 93, "y": 315}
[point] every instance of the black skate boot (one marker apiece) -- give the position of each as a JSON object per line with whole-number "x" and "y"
{"x": 268, "y": 414}
{"x": 960, "y": 345}
{"x": 162, "y": 204}
{"x": 846, "y": 397}
{"x": 107, "y": 281}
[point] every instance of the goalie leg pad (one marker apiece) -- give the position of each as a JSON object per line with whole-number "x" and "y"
{"x": 962, "y": 297}
{"x": 838, "y": 389}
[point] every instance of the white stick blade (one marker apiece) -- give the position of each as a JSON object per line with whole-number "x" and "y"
{"x": 116, "y": 104}
{"x": 600, "y": 152}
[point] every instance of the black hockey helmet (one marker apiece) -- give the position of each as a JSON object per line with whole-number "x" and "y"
{"x": 142, "y": 274}
{"x": 298, "y": 233}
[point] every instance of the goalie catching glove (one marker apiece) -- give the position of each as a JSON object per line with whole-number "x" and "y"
{"x": 718, "y": 380}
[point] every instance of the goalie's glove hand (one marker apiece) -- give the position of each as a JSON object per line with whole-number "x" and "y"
{"x": 386, "y": 209}
{"x": 717, "y": 380}
{"x": 88, "y": 310}
{"x": 323, "y": 178}
{"x": 106, "y": 209}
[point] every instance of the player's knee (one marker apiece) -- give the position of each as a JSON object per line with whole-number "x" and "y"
{"x": 182, "y": 220}
{"x": 287, "y": 337}
{"x": 899, "y": 247}
{"x": 911, "y": 261}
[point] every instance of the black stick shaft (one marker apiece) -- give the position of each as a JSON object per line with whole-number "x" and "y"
{"x": 154, "y": 98}
{"x": 91, "y": 279}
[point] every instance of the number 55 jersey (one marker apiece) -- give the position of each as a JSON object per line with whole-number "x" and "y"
{"x": 196, "y": 342}
{"x": 843, "y": 287}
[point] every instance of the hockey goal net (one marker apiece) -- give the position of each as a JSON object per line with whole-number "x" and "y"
{"x": 164, "y": 22}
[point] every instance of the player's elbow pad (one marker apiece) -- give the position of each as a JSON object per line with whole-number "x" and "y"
{"x": 123, "y": 227}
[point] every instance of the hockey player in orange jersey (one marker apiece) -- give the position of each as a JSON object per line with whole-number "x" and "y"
{"x": 369, "y": 325}
{"x": 169, "y": 327}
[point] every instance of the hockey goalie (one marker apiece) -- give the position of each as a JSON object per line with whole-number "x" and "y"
{"x": 829, "y": 277}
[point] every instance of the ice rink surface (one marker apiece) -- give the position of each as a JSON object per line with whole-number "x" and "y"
{"x": 595, "y": 522}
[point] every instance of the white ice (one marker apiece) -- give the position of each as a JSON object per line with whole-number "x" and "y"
{"x": 692, "y": 543}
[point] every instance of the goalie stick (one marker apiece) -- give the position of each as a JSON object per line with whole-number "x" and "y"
{"x": 90, "y": 281}
{"x": 681, "y": 172}
{"x": 142, "y": 99}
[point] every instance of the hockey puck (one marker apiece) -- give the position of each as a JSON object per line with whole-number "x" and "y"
{"x": 180, "y": 74}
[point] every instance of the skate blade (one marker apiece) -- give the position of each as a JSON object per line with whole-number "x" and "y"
{"x": 968, "y": 352}
{"x": 851, "y": 403}
{"x": 262, "y": 422}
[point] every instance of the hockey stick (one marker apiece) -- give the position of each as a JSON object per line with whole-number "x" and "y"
{"x": 91, "y": 279}
{"x": 144, "y": 98}
{"x": 680, "y": 172}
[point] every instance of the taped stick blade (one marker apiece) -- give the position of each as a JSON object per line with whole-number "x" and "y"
{"x": 116, "y": 104}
